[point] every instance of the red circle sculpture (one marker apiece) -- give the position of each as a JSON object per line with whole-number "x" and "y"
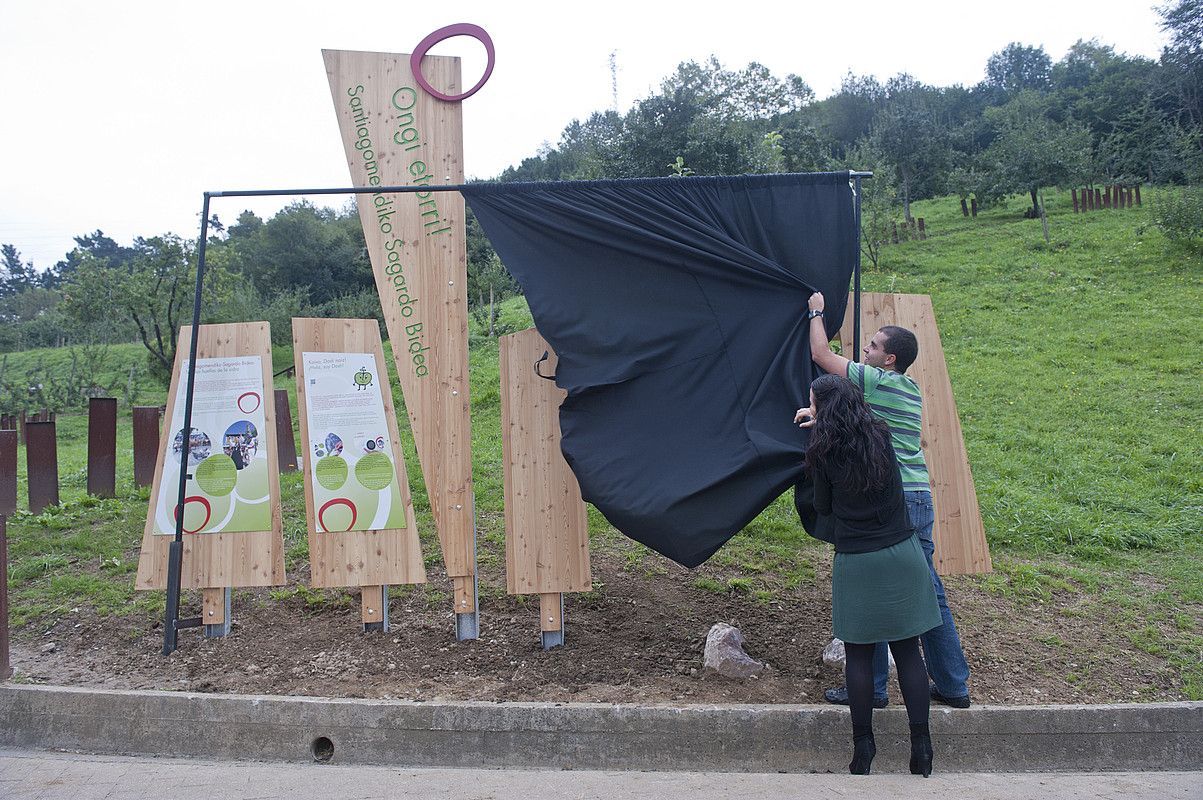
{"x": 338, "y": 501}
{"x": 458, "y": 29}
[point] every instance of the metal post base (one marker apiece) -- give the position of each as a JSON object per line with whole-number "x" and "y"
{"x": 553, "y": 639}
{"x": 221, "y": 629}
{"x": 467, "y": 626}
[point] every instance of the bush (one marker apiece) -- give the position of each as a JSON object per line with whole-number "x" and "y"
{"x": 1179, "y": 215}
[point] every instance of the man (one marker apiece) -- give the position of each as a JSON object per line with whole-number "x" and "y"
{"x": 895, "y": 398}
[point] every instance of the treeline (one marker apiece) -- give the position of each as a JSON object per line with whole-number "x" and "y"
{"x": 1095, "y": 117}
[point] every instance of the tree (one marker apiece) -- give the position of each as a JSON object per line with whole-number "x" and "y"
{"x": 1031, "y": 151}
{"x": 1017, "y": 68}
{"x": 153, "y": 290}
{"x": 907, "y": 134}
{"x": 1183, "y": 58}
{"x": 15, "y": 275}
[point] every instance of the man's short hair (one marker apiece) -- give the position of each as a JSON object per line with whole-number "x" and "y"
{"x": 901, "y": 344}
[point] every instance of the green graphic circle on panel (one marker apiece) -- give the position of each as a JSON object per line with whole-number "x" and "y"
{"x": 374, "y": 471}
{"x": 216, "y": 475}
{"x": 332, "y": 472}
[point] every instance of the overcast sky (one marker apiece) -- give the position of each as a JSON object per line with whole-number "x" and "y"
{"x": 118, "y": 115}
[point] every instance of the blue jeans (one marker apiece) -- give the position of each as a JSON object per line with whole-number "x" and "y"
{"x": 941, "y": 646}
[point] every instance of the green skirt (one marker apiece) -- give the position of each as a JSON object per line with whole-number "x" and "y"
{"x": 883, "y": 596}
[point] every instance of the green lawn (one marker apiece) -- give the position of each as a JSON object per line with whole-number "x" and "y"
{"x": 1075, "y": 368}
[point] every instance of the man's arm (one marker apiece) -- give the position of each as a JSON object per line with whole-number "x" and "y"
{"x": 820, "y": 349}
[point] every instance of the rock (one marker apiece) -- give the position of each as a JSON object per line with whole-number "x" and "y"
{"x": 47, "y": 648}
{"x": 835, "y": 655}
{"x": 725, "y": 653}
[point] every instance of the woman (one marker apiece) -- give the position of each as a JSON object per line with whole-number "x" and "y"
{"x": 880, "y": 587}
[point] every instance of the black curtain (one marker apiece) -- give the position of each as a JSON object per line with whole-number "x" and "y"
{"x": 676, "y": 307}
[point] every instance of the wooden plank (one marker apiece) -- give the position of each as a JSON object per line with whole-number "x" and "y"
{"x": 959, "y": 534}
{"x": 394, "y": 133}
{"x": 241, "y": 558}
{"x": 355, "y": 558}
{"x": 371, "y": 600}
{"x": 549, "y": 612}
{"x": 213, "y": 606}
{"x": 546, "y": 529}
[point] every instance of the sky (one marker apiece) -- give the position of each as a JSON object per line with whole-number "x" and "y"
{"x": 117, "y": 116}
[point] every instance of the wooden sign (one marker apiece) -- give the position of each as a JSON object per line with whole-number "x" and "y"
{"x": 546, "y": 527}
{"x": 338, "y": 554}
{"x": 395, "y": 133}
{"x": 217, "y": 557}
{"x": 958, "y": 533}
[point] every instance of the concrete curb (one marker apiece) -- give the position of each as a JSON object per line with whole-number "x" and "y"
{"x": 737, "y": 738}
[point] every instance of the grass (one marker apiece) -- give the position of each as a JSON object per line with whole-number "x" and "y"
{"x": 1074, "y": 366}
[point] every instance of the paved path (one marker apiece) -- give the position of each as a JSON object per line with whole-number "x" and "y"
{"x": 36, "y": 775}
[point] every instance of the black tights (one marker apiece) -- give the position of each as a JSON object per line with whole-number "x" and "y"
{"x": 912, "y": 677}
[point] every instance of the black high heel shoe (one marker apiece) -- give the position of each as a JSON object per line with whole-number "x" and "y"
{"x": 921, "y": 751}
{"x": 864, "y": 748}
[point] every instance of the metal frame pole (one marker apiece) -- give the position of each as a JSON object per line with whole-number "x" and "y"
{"x": 856, "y": 189}
{"x": 175, "y": 552}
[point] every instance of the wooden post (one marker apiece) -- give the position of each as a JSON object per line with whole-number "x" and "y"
{"x": 1074, "y": 192}
{"x": 1138, "y": 194}
{"x": 41, "y": 459}
{"x": 373, "y": 601}
{"x": 146, "y": 443}
{"x": 1098, "y": 199}
{"x": 964, "y": 208}
{"x": 922, "y": 230}
{"x": 1107, "y": 198}
{"x": 551, "y": 619}
{"x": 102, "y": 446}
{"x": 6, "y": 669}
{"x": 973, "y": 206}
{"x": 284, "y": 435}
{"x": 215, "y": 611}
{"x": 1121, "y": 195}
{"x": 8, "y": 473}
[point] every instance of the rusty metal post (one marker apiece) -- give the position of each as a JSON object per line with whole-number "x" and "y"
{"x": 8, "y": 473}
{"x": 922, "y": 230}
{"x": 102, "y": 446}
{"x": 1074, "y": 192}
{"x": 6, "y": 667}
{"x": 973, "y": 205}
{"x": 146, "y": 444}
{"x": 1138, "y": 194}
{"x": 286, "y": 443}
{"x": 1098, "y": 199}
{"x": 41, "y": 459}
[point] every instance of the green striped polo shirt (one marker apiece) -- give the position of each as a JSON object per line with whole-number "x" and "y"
{"x": 895, "y": 398}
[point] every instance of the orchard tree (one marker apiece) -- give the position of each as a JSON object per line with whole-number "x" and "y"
{"x": 1018, "y": 68}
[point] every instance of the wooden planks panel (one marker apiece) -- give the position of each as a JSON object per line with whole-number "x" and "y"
{"x": 394, "y": 133}
{"x": 959, "y": 535}
{"x": 356, "y": 558}
{"x": 546, "y": 530}
{"x": 241, "y": 558}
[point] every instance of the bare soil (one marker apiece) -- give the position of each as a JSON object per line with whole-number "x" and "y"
{"x": 638, "y": 637}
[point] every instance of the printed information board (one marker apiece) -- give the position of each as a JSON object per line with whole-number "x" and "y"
{"x": 224, "y": 453}
{"x": 354, "y": 477}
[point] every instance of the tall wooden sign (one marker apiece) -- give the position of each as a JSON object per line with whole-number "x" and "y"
{"x": 958, "y": 533}
{"x": 374, "y": 540}
{"x": 232, "y": 520}
{"x": 396, "y": 133}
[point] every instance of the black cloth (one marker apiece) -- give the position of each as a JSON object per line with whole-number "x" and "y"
{"x": 676, "y": 307}
{"x": 862, "y": 522}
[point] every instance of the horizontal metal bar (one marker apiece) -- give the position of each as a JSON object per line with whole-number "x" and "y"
{"x": 860, "y": 174}
{"x": 348, "y": 190}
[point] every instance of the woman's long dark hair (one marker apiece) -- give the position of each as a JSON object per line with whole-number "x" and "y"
{"x": 847, "y": 442}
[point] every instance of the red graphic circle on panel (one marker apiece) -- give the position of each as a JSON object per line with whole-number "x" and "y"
{"x": 205, "y": 504}
{"x": 338, "y": 501}
{"x": 459, "y": 29}
{"x": 253, "y": 402}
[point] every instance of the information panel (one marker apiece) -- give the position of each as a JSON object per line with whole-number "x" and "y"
{"x": 351, "y": 459}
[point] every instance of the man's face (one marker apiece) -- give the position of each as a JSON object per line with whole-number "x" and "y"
{"x": 875, "y": 353}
